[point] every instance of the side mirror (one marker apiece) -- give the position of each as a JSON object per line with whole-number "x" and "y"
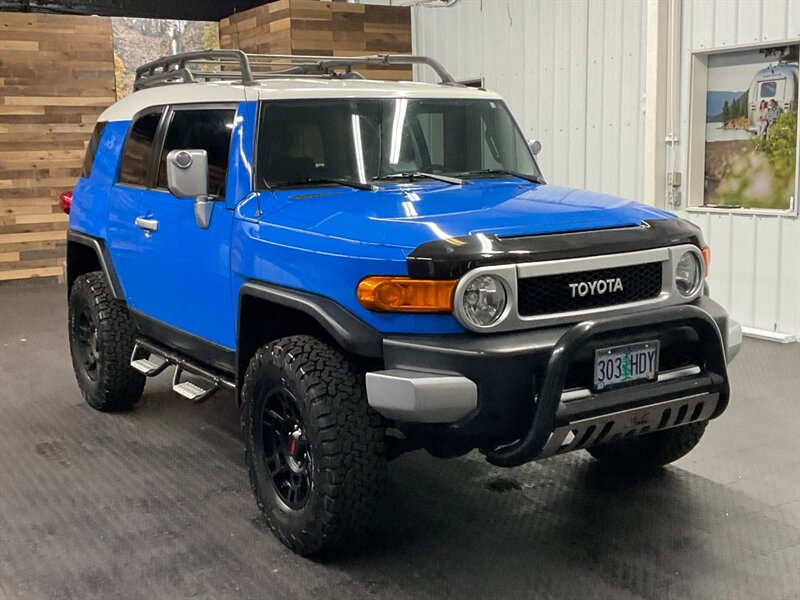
{"x": 535, "y": 146}
{"x": 187, "y": 177}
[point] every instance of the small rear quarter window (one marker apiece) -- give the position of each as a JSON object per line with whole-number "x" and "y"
{"x": 91, "y": 149}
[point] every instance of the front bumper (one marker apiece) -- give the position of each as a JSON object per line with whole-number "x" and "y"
{"x": 528, "y": 392}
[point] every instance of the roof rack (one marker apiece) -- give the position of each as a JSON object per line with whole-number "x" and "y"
{"x": 249, "y": 69}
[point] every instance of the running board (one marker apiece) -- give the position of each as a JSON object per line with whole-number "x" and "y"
{"x": 151, "y": 359}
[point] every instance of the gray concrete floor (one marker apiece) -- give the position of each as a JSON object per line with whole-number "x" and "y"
{"x": 156, "y": 503}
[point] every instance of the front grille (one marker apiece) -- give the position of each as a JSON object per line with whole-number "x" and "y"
{"x": 551, "y": 294}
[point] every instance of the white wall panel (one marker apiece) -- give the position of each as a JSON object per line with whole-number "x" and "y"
{"x": 571, "y": 71}
{"x": 755, "y": 258}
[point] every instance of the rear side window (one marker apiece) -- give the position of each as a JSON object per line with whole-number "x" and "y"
{"x": 136, "y": 155}
{"x": 206, "y": 129}
{"x": 91, "y": 150}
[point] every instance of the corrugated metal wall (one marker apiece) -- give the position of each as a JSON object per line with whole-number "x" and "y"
{"x": 571, "y": 71}
{"x": 756, "y": 258}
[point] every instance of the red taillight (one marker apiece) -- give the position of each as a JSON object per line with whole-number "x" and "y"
{"x": 65, "y": 201}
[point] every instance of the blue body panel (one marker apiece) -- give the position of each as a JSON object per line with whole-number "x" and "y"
{"x": 95, "y": 212}
{"x": 410, "y": 215}
{"x": 326, "y": 240}
{"x": 322, "y": 240}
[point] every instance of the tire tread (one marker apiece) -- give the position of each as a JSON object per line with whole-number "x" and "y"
{"x": 653, "y": 449}
{"x": 119, "y": 386}
{"x": 349, "y": 433}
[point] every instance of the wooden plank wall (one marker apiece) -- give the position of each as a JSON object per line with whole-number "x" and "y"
{"x": 323, "y": 28}
{"x": 56, "y": 77}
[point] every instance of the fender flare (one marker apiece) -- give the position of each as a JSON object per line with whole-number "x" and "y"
{"x": 97, "y": 245}
{"x": 350, "y": 332}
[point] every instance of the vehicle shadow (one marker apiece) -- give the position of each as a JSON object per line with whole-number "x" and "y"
{"x": 566, "y": 527}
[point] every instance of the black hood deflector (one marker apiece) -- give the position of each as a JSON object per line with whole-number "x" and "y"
{"x": 451, "y": 258}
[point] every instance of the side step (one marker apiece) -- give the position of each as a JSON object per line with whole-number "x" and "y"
{"x": 192, "y": 391}
{"x": 150, "y": 360}
{"x": 151, "y": 366}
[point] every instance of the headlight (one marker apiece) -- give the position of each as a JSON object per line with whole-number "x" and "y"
{"x": 688, "y": 274}
{"x": 484, "y": 300}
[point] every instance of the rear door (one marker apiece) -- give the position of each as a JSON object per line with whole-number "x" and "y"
{"x": 184, "y": 272}
{"x": 132, "y": 185}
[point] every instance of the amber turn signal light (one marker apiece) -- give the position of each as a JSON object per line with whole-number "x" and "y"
{"x": 706, "y": 252}
{"x": 401, "y": 294}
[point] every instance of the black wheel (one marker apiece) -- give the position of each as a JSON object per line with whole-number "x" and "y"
{"x": 651, "y": 450}
{"x": 313, "y": 446}
{"x": 101, "y": 339}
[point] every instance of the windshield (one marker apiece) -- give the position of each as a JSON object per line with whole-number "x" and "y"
{"x": 369, "y": 140}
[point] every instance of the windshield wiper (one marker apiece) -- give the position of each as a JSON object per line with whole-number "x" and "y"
{"x": 412, "y": 175}
{"x": 531, "y": 178}
{"x": 311, "y": 181}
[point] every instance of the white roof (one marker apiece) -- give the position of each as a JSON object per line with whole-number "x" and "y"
{"x": 284, "y": 89}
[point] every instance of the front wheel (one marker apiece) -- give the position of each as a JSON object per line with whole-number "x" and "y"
{"x": 313, "y": 446}
{"x": 652, "y": 449}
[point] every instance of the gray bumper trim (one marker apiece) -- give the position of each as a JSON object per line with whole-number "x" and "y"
{"x": 417, "y": 397}
{"x": 734, "y": 340}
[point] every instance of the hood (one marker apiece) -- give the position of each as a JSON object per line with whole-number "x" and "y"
{"x": 409, "y": 215}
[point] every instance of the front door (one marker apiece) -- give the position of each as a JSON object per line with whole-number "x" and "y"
{"x": 183, "y": 278}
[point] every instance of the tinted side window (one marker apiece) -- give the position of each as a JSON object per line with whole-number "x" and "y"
{"x": 202, "y": 129}
{"x": 136, "y": 155}
{"x": 91, "y": 149}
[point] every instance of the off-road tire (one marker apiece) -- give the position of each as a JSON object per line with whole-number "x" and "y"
{"x": 344, "y": 439}
{"x": 113, "y": 385}
{"x": 651, "y": 450}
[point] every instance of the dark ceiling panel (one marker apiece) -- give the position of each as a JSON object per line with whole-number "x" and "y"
{"x": 195, "y": 10}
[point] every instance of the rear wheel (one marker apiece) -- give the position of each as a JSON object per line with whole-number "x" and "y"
{"x": 101, "y": 339}
{"x": 651, "y": 450}
{"x": 313, "y": 446}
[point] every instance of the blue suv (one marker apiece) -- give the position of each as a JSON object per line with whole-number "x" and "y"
{"x": 374, "y": 268}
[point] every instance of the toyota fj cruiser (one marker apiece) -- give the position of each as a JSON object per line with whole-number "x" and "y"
{"x": 377, "y": 267}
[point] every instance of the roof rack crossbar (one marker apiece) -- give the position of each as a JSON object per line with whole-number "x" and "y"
{"x": 249, "y": 68}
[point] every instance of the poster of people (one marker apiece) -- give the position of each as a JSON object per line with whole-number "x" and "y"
{"x": 139, "y": 41}
{"x": 751, "y": 128}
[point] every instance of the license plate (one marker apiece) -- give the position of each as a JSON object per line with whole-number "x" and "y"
{"x": 625, "y": 364}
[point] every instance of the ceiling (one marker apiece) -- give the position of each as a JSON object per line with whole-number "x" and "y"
{"x": 195, "y": 10}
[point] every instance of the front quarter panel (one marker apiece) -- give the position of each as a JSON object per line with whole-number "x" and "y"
{"x": 326, "y": 266}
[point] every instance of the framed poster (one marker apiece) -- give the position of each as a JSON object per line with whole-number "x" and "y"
{"x": 750, "y": 143}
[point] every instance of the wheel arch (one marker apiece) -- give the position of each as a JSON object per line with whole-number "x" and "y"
{"x": 268, "y": 312}
{"x": 85, "y": 254}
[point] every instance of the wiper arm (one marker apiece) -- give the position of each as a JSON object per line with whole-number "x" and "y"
{"x": 412, "y": 175}
{"x": 531, "y": 178}
{"x": 311, "y": 181}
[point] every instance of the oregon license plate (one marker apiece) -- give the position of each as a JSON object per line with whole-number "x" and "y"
{"x": 625, "y": 364}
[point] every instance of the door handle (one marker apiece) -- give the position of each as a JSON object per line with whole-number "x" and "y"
{"x": 146, "y": 224}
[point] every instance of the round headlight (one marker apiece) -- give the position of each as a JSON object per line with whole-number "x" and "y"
{"x": 484, "y": 300}
{"x": 688, "y": 274}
